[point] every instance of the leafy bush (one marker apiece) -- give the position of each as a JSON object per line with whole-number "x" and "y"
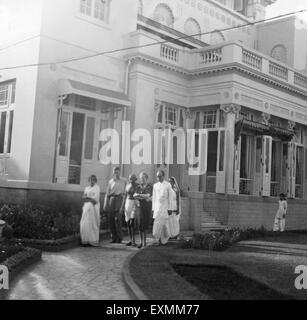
{"x": 8, "y": 250}
{"x": 41, "y": 223}
{"x": 218, "y": 241}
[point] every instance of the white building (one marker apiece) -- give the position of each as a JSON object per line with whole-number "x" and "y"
{"x": 244, "y": 83}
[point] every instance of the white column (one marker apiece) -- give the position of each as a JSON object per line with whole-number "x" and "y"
{"x": 231, "y": 112}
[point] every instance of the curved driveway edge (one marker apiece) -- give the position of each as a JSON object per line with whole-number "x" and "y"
{"x": 133, "y": 288}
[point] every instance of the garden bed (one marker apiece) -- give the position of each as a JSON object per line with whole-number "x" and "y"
{"x": 57, "y": 245}
{"x": 17, "y": 258}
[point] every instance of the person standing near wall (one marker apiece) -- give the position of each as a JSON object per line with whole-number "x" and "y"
{"x": 144, "y": 217}
{"x": 280, "y": 218}
{"x": 129, "y": 207}
{"x": 113, "y": 202}
{"x": 161, "y": 208}
{"x": 90, "y": 222}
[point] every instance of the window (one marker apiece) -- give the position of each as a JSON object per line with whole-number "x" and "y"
{"x": 86, "y": 7}
{"x": 164, "y": 15}
{"x": 170, "y": 115}
{"x": 210, "y": 118}
{"x": 98, "y": 9}
{"x": 89, "y": 139}
{"x": 279, "y": 53}
{"x": 64, "y": 134}
{"x": 7, "y": 106}
{"x": 192, "y": 28}
{"x": 217, "y": 37}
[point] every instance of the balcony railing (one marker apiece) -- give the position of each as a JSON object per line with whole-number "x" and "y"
{"x": 278, "y": 70}
{"x": 251, "y": 59}
{"x": 169, "y": 53}
{"x": 300, "y": 80}
{"x": 211, "y": 56}
{"x": 225, "y": 54}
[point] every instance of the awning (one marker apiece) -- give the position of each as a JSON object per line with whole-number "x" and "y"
{"x": 66, "y": 87}
{"x": 262, "y": 129}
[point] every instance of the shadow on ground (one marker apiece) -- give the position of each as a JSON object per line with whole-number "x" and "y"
{"x": 251, "y": 270}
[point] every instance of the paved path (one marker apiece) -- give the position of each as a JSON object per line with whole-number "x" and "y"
{"x": 77, "y": 274}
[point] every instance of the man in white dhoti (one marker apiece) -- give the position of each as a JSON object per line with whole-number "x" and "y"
{"x": 161, "y": 208}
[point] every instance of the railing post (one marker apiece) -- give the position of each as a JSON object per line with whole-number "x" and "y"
{"x": 291, "y": 76}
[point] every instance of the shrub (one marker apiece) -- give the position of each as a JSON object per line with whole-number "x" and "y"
{"x": 8, "y": 250}
{"x": 218, "y": 241}
{"x": 41, "y": 223}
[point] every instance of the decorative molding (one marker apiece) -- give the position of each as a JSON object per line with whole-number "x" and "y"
{"x": 231, "y": 108}
{"x": 291, "y": 125}
{"x": 232, "y": 67}
{"x": 266, "y": 118}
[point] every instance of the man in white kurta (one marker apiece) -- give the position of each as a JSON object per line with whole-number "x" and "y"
{"x": 160, "y": 207}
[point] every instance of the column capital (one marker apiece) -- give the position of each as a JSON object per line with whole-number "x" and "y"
{"x": 231, "y": 108}
{"x": 266, "y": 118}
{"x": 291, "y": 125}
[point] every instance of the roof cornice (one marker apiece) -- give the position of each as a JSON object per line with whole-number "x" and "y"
{"x": 230, "y": 67}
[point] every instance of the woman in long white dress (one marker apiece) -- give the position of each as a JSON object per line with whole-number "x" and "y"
{"x": 90, "y": 222}
{"x": 175, "y": 202}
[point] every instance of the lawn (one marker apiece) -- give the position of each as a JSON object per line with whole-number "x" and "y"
{"x": 256, "y": 269}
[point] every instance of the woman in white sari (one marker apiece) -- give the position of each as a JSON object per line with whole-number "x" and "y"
{"x": 175, "y": 203}
{"x": 90, "y": 222}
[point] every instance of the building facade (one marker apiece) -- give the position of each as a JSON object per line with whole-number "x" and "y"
{"x": 190, "y": 65}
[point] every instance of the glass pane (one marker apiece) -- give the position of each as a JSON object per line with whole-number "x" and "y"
{"x": 100, "y": 9}
{"x": 4, "y": 93}
{"x": 212, "y": 153}
{"x": 2, "y": 131}
{"x": 13, "y": 92}
{"x": 64, "y": 134}
{"x": 89, "y": 140}
{"x": 9, "y": 140}
{"x": 222, "y": 151}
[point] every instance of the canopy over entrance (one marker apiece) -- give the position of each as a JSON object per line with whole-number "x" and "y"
{"x": 67, "y": 87}
{"x": 262, "y": 129}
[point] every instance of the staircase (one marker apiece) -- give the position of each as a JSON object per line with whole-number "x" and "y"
{"x": 209, "y": 223}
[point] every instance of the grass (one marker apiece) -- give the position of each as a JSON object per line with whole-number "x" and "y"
{"x": 261, "y": 268}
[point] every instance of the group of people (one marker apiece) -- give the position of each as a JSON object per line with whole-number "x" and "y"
{"x": 139, "y": 203}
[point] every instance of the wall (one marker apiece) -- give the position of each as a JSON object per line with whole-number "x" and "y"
{"x": 20, "y": 29}
{"x": 247, "y": 211}
{"x": 67, "y": 34}
{"x": 278, "y": 32}
{"x": 210, "y": 16}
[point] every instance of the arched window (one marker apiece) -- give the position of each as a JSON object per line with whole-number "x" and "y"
{"x": 164, "y": 15}
{"x": 217, "y": 37}
{"x": 140, "y": 7}
{"x": 192, "y": 27}
{"x": 279, "y": 53}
